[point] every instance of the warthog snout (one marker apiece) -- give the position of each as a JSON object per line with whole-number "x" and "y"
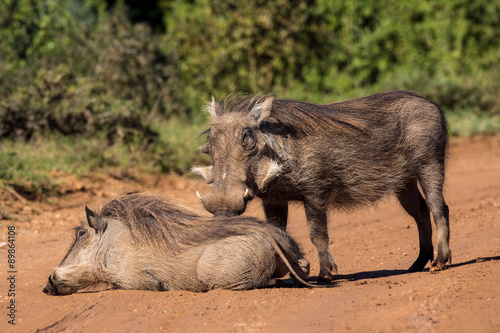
{"x": 50, "y": 288}
{"x": 56, "y": 288}
{"x": 227, "y": 204}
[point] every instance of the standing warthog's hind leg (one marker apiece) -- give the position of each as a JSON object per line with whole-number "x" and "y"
{"x": 414, "y": 204}
{"x": 432, "y": 179}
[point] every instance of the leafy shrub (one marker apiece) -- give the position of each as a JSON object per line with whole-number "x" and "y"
{"x": 109, "y": 76}
{"x": 343, "y": 48}
{"x": 226, "y": 45}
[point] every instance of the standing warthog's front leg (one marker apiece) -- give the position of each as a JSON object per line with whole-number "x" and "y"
{"x": 276, "y": 213}
{"x": 318, "y": 231}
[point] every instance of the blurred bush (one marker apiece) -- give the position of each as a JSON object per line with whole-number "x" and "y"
{"x": 70, "y": 67}
{"x": 446, "y": 50}
{"x": 79, "y": 66}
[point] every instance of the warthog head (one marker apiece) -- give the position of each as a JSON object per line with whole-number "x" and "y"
{"x": 75, "y": 271}
{"x": 242, "y": 159}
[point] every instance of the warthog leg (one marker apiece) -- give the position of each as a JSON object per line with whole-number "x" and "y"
{"x": 301, "y": 266}
{"x": 318, "y": 231}
{"x": 276, "y": 213}
{"x": 414, "y": 204}
{"x": 431, "y": 180}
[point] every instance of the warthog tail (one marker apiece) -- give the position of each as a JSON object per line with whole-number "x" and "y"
{"x": 283, "y": 257}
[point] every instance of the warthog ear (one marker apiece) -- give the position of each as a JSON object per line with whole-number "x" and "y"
{"x": 94, "y": 220}
{"x": 262, "y": 108}
{"x": 214, "y": 108}
{"x": 268, "y": 170}
{"x": 205, "y": 172}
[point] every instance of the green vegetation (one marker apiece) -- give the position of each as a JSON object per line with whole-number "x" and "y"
{"x": 17, "y": 177}
{"x": 448, "y": 51}
{"x": 88, "y": 85}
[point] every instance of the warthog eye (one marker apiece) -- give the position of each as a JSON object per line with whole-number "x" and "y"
{"x": 248, "y": 140}
{"x": 81, "y": 233}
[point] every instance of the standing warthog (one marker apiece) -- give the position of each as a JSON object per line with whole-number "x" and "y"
{"x": 340, "y": 155}
{"x": 140, "y": 241}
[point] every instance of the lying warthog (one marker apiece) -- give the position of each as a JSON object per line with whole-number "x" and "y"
{"x": 340, "y": 155}
{"x": 140, "y": 241}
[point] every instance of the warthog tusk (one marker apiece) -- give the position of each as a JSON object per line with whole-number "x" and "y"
{"x": 51, "y": 277}
{"x": 245, "y": 196}
{"x": 199, "y": 195}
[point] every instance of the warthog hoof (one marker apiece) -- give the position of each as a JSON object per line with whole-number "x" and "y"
{"x": 327, "y": 276}
{"x": 327, "y": 273}
{"x": 304, "y": 266}
{"x": 437, "y": 266}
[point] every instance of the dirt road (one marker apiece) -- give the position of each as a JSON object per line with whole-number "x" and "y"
{"x": 372, "y": 247}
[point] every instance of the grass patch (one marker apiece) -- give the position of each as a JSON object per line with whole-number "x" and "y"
{"x": 175, "y": 150}
{"x": 178, "y": 145}
{"x": 19, "y": 177}
{"x": 28, "y": 167}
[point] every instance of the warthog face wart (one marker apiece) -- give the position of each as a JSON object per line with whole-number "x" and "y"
{"x": 242, "y": 161}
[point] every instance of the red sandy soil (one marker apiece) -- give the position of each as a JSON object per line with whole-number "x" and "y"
{"x": 372, "y": 247}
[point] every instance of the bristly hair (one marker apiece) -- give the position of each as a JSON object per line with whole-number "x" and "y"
{"x": 231, "y": 99}
{"x": 157, "y": 221}
{"x": 302, "y": 118}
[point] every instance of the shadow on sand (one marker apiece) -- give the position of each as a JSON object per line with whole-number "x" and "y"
{"x": 375, "y": 274}
{"x": 395, "y": 272}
